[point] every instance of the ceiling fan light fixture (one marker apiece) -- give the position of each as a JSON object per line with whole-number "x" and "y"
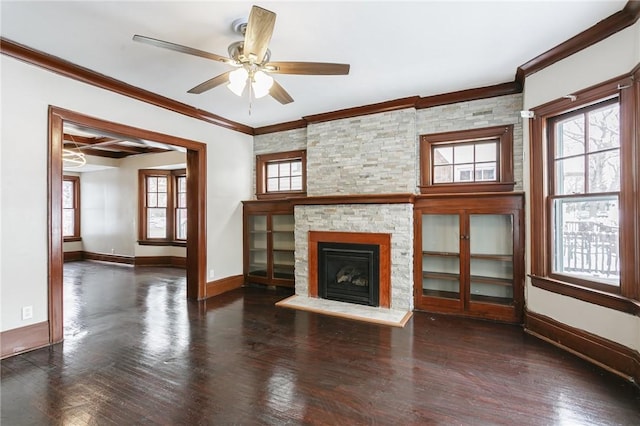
{"x": 71, "y": 159}
{"x": 238, "y": 81}
{"x": 261, "y": 84}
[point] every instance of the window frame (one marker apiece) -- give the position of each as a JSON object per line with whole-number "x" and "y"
{"x": 626, "y": 296}
{"x": 504, "y": 159}
{"x": 263, "y": 160}
{"x": 76, "y": 208}
{"x": 170, "y": 239}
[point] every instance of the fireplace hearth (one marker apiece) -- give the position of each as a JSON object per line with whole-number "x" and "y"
{"x": 349, "y": 272}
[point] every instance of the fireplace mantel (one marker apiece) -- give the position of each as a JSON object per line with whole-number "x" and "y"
{"x": 382, "y": 240}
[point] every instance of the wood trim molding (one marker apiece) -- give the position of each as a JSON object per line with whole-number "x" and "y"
{"x": 23, "y": 339}
{"x": 394, "y": 105}
{"x": 280, "y": 127}
{"x": 85, "y": 75}
{"x": 502, "y": 89}
{"x": 598, "y": 32}
{"x": 224, "y": 285}
{"x": 72, "y": 256}
{"x": 383, "y": 240}
{"x": 170, "y": 261}
{"x": 113, "y": 258}
{"x": 605, "y": 353}
{"x": 354, "y": 199}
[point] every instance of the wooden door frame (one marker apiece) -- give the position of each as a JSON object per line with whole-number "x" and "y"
{"x": 196, "y": 207}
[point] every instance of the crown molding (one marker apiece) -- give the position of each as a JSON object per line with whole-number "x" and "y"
{"x": 393, "y": 105}
{"x": 617, "y": 22}
{"x": 501, "y": 89}
{"x": 280, "y": 127}
{"x": 85, "y": 75}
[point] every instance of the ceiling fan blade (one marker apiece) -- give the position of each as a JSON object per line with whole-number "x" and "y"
{"x": 258, "y": 33}
{"x": 180, "y": 48}
{"x": 210, "y": 84}
{"x": 278, "y": 93}
{"x": 307, "y": 68}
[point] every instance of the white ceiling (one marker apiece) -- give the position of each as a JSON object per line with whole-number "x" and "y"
{"x": 396, "y": 49}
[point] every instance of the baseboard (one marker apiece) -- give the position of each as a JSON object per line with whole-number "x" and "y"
{"x": 605, "y": 353}
{"x": 23, "y": 339}
{"x": 115, "y": 258}
{"x": 72, "y": 256}
{"x": 223, "y": 285}
{"x": 174, "y": 261}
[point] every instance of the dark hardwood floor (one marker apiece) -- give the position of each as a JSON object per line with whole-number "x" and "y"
{"x": 136, "y": 352}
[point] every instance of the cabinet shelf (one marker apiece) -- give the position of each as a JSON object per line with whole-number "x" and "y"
{"x": 286, "y": 250}
{"x": 258, "y": 249}
{"x": 440, "y": 254}
{"x": 283, "y": 231}
{"x": 492, "y": 280}
{"x": 441, "y": 275}
{"x": 501, "y": 257}
{"x": 441, "y": 294}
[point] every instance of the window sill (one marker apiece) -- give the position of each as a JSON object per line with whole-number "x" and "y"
{"x": 163, "y": 243}
{"x": 597, "y": 297}
{"x": 446, "y": 188}
{"x": 71, "y": 239}
{"x": 280, "y": 195}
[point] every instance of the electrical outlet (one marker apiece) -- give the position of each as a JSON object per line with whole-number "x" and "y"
{"x": 211, "y": 273}
{"x": 27, "y": 312}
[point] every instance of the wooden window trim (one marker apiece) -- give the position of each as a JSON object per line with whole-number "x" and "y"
{"x": 626, "y": 297}
{"x": 261, "y": 174}
{"x": 170, "y": 240}
{"x": 76, "y": 209}
{"x": 504, "y": 183}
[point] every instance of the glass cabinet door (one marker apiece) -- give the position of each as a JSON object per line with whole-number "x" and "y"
{"x": 491, "y": 258}
{"x": 258, "y": 245}
{"x": 441, "y": 255}
{"x": 283, "y": 245}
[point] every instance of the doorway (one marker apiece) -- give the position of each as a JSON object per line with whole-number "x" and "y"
{"x": 196, "y": 206}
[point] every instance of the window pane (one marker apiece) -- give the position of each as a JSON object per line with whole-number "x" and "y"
{"x": 152, "y": 200}
{"x": 285, "y": 169}
{"x": 296, "y": 168}
{"x": 67, "y": 194}
{"x": 285, "y": 184}
{"x": 156, "y": 223}
{"x": 604, "y": 128}
{"x": 296, "y": 183}
{"x": 485, "y": 172}
{"x": 570, "y": 137}
{"x": 162, "y": 200}
{"x": 162, "y": 184}
{"x": 442, "y": 174}
{"x": 181, "y": 224}
{"x": 443, "y": 155}
{"x": 182, "y": 184}
{"x": 486, "y": 151}
{"x": 604, "y": 172}
{"x": 68, "y": 220}
{"x": 272, "y": 184}
{"x": 182, "y": 200}
{"x": 586, "y": 240}
{"x": 463, "y": 173}
{"x": 152, "y": 184}
{"x": 463, "y": 154}
{"x": 570, "y": 176}
{"x": 272, "y": 170}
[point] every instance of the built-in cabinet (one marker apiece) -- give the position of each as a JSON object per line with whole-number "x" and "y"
{"x": 469, "y": 256}
{"x": 269, "y": 243}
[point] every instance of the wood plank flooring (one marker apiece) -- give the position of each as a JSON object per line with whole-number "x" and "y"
{"x": 136, "y": 352}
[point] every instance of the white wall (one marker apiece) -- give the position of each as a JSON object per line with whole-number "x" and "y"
{"x": 27, "y": 91}
{"x": 612, "y": 57}
{"x": 109, "y": 207}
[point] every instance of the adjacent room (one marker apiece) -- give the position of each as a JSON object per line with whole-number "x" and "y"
{"x": 320, "y": 213}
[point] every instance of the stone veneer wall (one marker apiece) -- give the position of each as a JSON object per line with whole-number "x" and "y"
{"x": 371, "y": 154}
{"x": 394, "y": 219}
{"x": 477, "y": 114}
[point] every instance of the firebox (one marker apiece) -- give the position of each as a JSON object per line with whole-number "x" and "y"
{"x": 349, "y": 272}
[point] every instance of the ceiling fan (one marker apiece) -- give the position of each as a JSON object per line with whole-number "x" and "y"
{"x": 251, "y": 58}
